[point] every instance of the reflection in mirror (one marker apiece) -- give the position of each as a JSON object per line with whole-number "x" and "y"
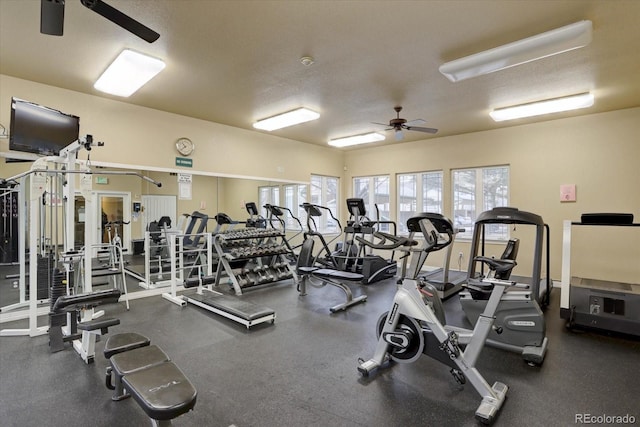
{"x": 129, "y": 199}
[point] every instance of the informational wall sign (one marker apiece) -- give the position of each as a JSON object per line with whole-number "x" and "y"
{"x": 184, "y": 162}
{"x": 184, "y": 186}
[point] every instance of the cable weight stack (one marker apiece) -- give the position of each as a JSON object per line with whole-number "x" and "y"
{"x": 58, "y": 287}
{"x": 43, "y": 276}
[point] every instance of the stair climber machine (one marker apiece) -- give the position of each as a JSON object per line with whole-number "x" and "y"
{"x": 325, "y": 256}
{"x": 352, "y": 256}
{"x": 520, "y": 324}
{"x": 416, "y": 325}
{"x": 255, "y": 220}
{"x": 278, "y": 220}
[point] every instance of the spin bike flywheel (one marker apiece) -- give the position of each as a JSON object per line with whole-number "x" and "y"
{"x": 410, "y": 342}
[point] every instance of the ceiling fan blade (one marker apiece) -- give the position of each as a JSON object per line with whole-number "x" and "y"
{"x": 52, "y": 17}
{"x": 119, "y": 18}
{"x": 415, "y": 122}
{"x": 421, "y": 129}
{"x": 383, "y": 124}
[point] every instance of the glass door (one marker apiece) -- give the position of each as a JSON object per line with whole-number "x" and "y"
{"x": 114, "y": 214}
{"x": 79, "y": 221}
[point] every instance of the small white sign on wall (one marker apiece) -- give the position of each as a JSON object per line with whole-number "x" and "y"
{"x": 184, "y": 186}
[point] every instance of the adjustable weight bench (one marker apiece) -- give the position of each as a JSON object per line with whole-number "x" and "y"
{"x": 145, "y": 373}
{"x": 83, "y": 334}
{"x": 307, "y": 273}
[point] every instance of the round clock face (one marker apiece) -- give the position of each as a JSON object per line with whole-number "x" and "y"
{"x": 185, "y": 146}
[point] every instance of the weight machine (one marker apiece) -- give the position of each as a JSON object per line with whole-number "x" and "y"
{"x": 54, "y": 178}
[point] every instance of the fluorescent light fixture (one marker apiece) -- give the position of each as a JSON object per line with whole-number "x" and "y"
{"x": 357, "y": 139}
{"x": 548, "y": 106}
{"x": 552, "y": 42}
{"x": 301, "y": 115}
{"x": 128, "y": 73}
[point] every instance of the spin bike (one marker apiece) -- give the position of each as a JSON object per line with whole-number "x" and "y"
{"x": 415, "y": 325}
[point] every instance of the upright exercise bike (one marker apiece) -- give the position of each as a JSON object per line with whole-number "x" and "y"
{"x": 415, "y": 325}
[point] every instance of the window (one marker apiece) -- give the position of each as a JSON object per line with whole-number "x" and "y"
{"x": 374, "y": 190}
{"x": 294, "y": 196}
{"x": 418, "y": 192}
{"x": 478, "y": 190}
{"x": 325, "y": 191}
{"x": 268, "y": 194}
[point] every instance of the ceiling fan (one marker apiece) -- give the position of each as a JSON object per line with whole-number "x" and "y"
{"x": 398, "y": 124}
{"x": 52, "y": 18}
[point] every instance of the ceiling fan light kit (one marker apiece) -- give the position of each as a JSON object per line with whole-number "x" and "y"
{"x": 540, "y": 46}
{"x": 548, "y": 106}
{"x": 365, "y": 138}
{"x": 300, "y": 115}
{"x": 128, "y": 72}
{"x": 398, "y": 124}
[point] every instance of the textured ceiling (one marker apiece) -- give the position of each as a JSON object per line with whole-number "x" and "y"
{"x": 233, "y": 62}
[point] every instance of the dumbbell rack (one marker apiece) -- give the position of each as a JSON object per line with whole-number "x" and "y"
{"x": 242, "y": 254}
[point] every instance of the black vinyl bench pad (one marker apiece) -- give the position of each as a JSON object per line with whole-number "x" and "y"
{"x": 91, "y": 299}
{"x": 124, "y": 342}
{"x": 157, "y": 385}
{"x": 162, "y": 391}
{"x": 243, "y": 309}
{"x": 101, "y": 324}
{"x": 140, "y": 358}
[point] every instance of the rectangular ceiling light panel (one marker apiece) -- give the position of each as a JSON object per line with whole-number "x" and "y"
{"x": 552, "y": 42}
{"x": 357, "y": 139}
{"x": 128, "y": 73}
{"x": 301, "y": 115}
{"x": 556, "y": 105}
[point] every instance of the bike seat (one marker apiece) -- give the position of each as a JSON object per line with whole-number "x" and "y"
{"x": 497, "y": 265}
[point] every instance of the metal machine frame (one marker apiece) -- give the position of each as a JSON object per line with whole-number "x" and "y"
{"x": 413, "y": 327}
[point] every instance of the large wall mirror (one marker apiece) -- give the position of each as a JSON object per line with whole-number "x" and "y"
{"x": 125, "y": 205}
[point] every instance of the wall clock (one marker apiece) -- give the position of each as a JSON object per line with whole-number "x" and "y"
{"x": 185, "y": 146}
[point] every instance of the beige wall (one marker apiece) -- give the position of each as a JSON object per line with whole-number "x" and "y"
{"x": 600, "y": 153}
{"x": 135, "y": 135}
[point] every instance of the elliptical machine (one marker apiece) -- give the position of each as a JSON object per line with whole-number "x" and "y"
{"x": 415, "y": 324}
{"x": 353, "y": 257}
{"x": 519, "y": 319}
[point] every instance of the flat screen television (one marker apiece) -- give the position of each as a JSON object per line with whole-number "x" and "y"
{"x": 41, "y": 130}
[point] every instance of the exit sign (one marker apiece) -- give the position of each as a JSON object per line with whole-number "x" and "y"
{"x": 184, "y": 162}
